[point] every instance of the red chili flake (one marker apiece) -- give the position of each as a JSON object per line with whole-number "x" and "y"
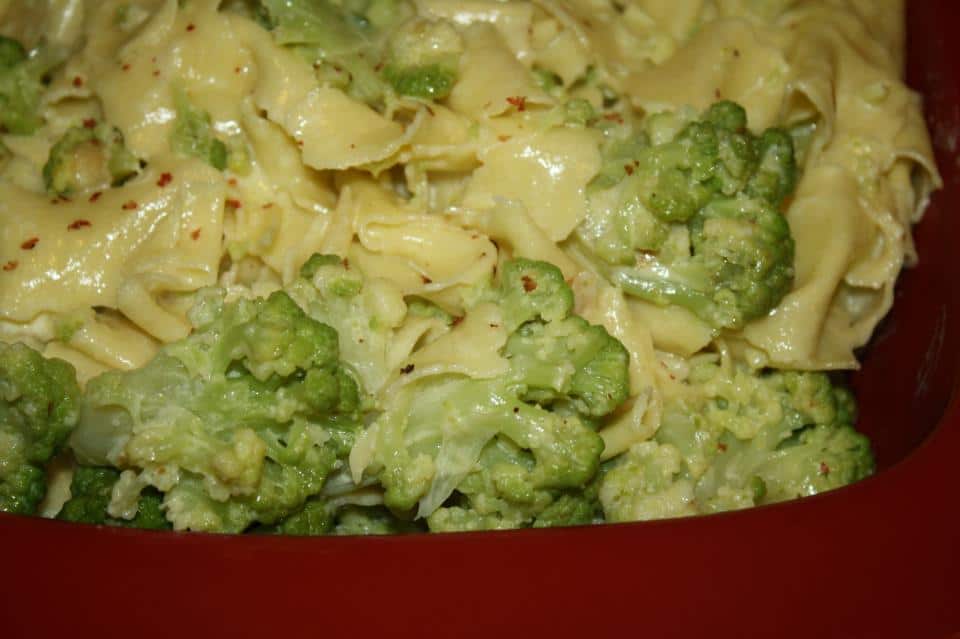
{"x": 628, "y": 168}
{"x": 516, "y": 409}
{"x": 503, "y": 138}
{"x": 191, "y": 27}
{"x": 299, "y": 142}
{"x": 129, "y": 205}
{"x": 352, "y": 145}
{"x": 95, "y": 196}
{"x": 78, "y": 224}
{"x": 12, "y": 264}
{"x": 529, "y": 284}
{"x": 165, "y": 179}
{"x": 494, "y": 326}
{"x": 457, "y": 320}
{"x": 429, "y": 110}
{"x": 268, "y": 205}
{"x": 156, "y": 73}
{"x": 125, "y": 67}
{"x": 195, "y": 234}
{"x": 234, "y": 204}
{"x": 613, "y": 117}
{"x": 346, "y": 263}
{"x": 232, "y": 181}
{"x": 89, "y": 123}
{"x": 736, "y": 53}
{"x": 717, "y": 94}
{"x": 379, "y": 67}
{"x": 426, "y": 280}
{"x": 518, "y": 101}
{"x": 824, "y": 469}
{"x": 722, "y": 447}
{"x": 237, "y": 70}
{"x": 406, "y": 370}
{"x": 77, "y": 81}
{"x": 29, "y": 244}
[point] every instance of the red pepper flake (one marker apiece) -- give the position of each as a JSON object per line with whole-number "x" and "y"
{"x": 29, "y": 244}
{"x": 125, "y": 67}
{"x": 232, "y": 181}
{"x": 429, "y": 110}
{"x": 352, "y": 145}
{"x": 89, "y": 123}
{"x": 346, "y": 263}
{"x": 736, "y": 53}
{"x": 78, "y": 224}
{"x": 156, "y": 73}
{"x": 11, "y": 265}
{"x": 613, "y": 117}
{"x": 529, "y": 284}
{"x": 406, "y": 370}
{"x": 379, "y": 67}
{"x": 628, "y": 168}
{"x": 722, "y": 447}
{"x": 165, "y": 179}
{"x": 503, "y": 138}
{"x": 234, "y": 203}
{"x": 299, "y": 142}
{"x": 717, "y": 94}
{"x": 77, "y": 81}
{"x": 824, "y": 469}
{"x": 195, "y": 234}
{"x": 95, "y": 196}
{"x": 268, "y": 205}
{"x": 237, "y": 69}
{"x": 518, "y": 101}
{"x": 426, "y": 280}
{"x": 457, "y": 320}
{"x": 516, "y": 409}
{"x": 129, "y": 205}
{"x": 191, "y": 27}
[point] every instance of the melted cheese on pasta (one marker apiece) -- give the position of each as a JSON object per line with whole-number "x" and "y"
{"x": 427, "y": 196}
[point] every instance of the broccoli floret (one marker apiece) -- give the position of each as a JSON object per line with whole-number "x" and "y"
{"x": 689, "y": 215}
{"x": 193, "y": 134}
{"x": 315, "y": 518}
{"x": 21, "y": 86}
{"x": 735, "y": 438}
{"x": 239, "y": 423}
{"x": 39, "y": 406}
{"x": 86, "y": 158}
{"x": 520, "y": 449}
{"x": 423, "y": 58}
{"x": 90, "y": 493}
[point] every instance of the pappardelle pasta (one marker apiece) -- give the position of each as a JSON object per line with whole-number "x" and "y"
{"x": 369, "y": 266}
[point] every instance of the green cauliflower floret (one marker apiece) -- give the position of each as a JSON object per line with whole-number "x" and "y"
{"x": 193, "y": 134}
{"x": 39, "y": 406}
{"x": 688, "y": 214}
{"x": 86, "y": 158}
{"x": 372, "y": 520}
{"x": 344, "y": 41}
{"x": 90, "y": 493}
{"x": 364, "y": 312}
{"x": 21, "y": 86}
{"x": 423, "y": 58}
{"x": 735, "y": 438}
{"x": 519, "y": 449}
{"x": 239, "y": 423}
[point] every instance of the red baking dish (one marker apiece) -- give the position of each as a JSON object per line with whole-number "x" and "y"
{"x": 877, "y": 559}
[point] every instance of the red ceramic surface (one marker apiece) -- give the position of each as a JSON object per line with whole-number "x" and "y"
{"x": 878, "y": 559}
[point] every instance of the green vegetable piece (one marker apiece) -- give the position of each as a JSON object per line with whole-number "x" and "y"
{"x": 423, "y": 59}
{"x": 254, "y": 408}
{"x": 90, "y": 493}
{"x": 86, "y": 158}
{"x": 193, "y": 134}
{"x": 533, "y": 290}
{"x": 38, "y": 409}
{"x": 21, "y": 87}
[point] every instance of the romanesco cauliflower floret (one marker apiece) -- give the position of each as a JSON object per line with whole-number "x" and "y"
{"x": 21, "y": 86}
{"x": 518, "y": 449}
{"x": 687, "y": 214}
{"x": 90, "y": 494}
{"x": 737, "y": 438}
{"x": 239, "y": 423}
{"x": 38, "y": 408}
